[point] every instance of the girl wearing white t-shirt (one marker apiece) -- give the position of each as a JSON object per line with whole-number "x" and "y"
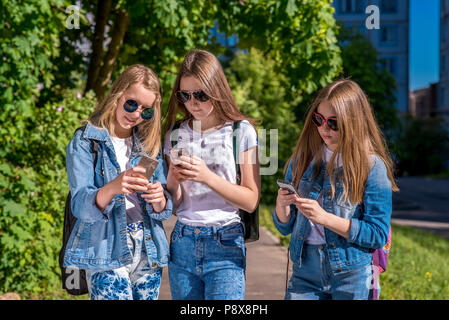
{"x": 207, "y": 249}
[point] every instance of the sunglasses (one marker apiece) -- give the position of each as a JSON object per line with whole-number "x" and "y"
{"x": 184, "y": 96}
{"x": 132, "y": 105}
{"x": 318, "y": 119}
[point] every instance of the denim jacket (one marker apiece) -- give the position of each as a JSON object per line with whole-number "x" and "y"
{"x": 370, "y": 221}
{"x": 99, "y": 238}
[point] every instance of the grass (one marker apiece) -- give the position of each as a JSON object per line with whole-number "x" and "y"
{"x": 418, "y": 264}
{"x": 442, "y": 175}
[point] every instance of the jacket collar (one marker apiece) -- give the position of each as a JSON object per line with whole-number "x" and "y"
{"x": 102, "y": 134}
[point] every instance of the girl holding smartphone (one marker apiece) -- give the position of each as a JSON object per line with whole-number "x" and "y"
{"x": 207, "y": 249}
{"x": 343, "y": 172}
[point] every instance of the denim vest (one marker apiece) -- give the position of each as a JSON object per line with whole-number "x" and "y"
{"x": 370, "y": 222}
{"x": 99, "y": 238}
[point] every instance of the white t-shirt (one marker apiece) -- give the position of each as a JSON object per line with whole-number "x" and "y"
{"x": 123, "y": 149}
{"x": 316, "y": 235}
{"x": 201, "y": 206}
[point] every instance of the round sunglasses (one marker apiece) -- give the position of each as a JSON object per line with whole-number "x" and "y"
{"x": 183, "y": 96}
{"x": 318, "y": 120}
{"x": 132, "y": 105}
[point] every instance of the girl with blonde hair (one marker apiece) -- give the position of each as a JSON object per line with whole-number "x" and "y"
{"x": 118, "y": 237}
{"x": 207, "y": 249}
{"x": 343, "y": 173}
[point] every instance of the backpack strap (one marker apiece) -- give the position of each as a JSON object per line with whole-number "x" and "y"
{"x": 235, "y": 148}
{"x": 93, "y": 146}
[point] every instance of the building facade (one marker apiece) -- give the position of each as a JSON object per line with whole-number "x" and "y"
{"x": 391, "y": 40}
{"x": 443, "y": 90}
{"x": 423, "y": 102}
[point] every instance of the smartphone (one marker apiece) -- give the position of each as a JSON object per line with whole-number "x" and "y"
{"x": 176, "y": 154}
{"x": 288, "y": 186}
{"x": 150, "y": 164}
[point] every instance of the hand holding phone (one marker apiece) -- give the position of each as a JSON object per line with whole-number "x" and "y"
{"x": 288, "y": 186}
{"x": 150, "y": 164}
{"x": 176, "y": 154}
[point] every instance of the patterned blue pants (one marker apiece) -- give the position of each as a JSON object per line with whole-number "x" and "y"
{"x": 136, "y": 281}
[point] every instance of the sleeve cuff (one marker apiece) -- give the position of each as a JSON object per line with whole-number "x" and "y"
{"x": 90, "y": 212}
{"x": 354, "y": 230}
{"x": 284, "y": 228}
{"x": 164, "y": 214}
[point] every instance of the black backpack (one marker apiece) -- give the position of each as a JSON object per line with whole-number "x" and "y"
{"x": 250, "y": 220}
{"x": 73, "y": 279}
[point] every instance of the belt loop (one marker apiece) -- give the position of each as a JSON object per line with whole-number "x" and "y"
{"x": 181, "y": 229}
{"x": 214, "y": 230}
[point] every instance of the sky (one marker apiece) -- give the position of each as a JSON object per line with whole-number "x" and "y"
{"x": 424, "y": 43}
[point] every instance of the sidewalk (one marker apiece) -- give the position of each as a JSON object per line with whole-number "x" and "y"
{"x": 266, "y": 264}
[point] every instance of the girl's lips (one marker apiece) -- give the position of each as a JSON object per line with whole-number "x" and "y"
{"x": 130, "y": 121}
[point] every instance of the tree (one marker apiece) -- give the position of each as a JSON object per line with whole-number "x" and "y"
{"x": 28, "y": 43}
{"x": 422, "y": 146}
{"x": 298, "y": 35}
{"x": 262, "y": 93}
{"x": 361, "y": 64}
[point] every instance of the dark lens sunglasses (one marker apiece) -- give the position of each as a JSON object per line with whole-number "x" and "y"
{"x": 318, "y": 119}
{"x": 184, "y": 96}
{"x": 132, "y": 105}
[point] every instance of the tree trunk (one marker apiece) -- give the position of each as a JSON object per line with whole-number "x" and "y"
{"x": 118, "y": 33}
{"x": 101, "y": 19}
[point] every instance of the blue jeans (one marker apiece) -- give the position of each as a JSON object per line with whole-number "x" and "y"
{"x": 207, "y": 262}
{"x": 136, "y": 281}
{"x": 314, "y": 280}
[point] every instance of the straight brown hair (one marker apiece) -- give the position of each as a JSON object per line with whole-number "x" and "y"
{"x": 207, "y": 70}
{"x": 360, "y": 137}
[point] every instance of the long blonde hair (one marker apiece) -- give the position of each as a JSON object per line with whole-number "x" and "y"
{"x": 148, "y": 131}
{"x": 207, "y": 70}
{"x": 359, "y": 138}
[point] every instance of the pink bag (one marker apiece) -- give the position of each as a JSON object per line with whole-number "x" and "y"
{"x": 380, "y": 257}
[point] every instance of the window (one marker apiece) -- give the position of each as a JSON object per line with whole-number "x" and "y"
{"x": 443, "y": 63}
{"x": 441, "y": 97}
{"x": 391, "y": 65}
{"x": 355, "y": 29}
{"x": 389, "y": 6}
{"x": 389, "y": 35}
{"x": 444, "y": 26}
{"x": 351, "y": 6}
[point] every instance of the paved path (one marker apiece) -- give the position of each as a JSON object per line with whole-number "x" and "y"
{"x": 265, "y": 271}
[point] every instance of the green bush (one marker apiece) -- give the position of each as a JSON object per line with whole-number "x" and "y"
{"x": 33, "y": 189}
{"x": 261, "y": 93}
{"x": 422, "y": 146}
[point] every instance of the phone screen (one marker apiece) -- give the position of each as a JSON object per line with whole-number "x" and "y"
{"x": 150, "y": 165}
{"x": 176, "y": 154}
{"x": 288, "y": 186}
